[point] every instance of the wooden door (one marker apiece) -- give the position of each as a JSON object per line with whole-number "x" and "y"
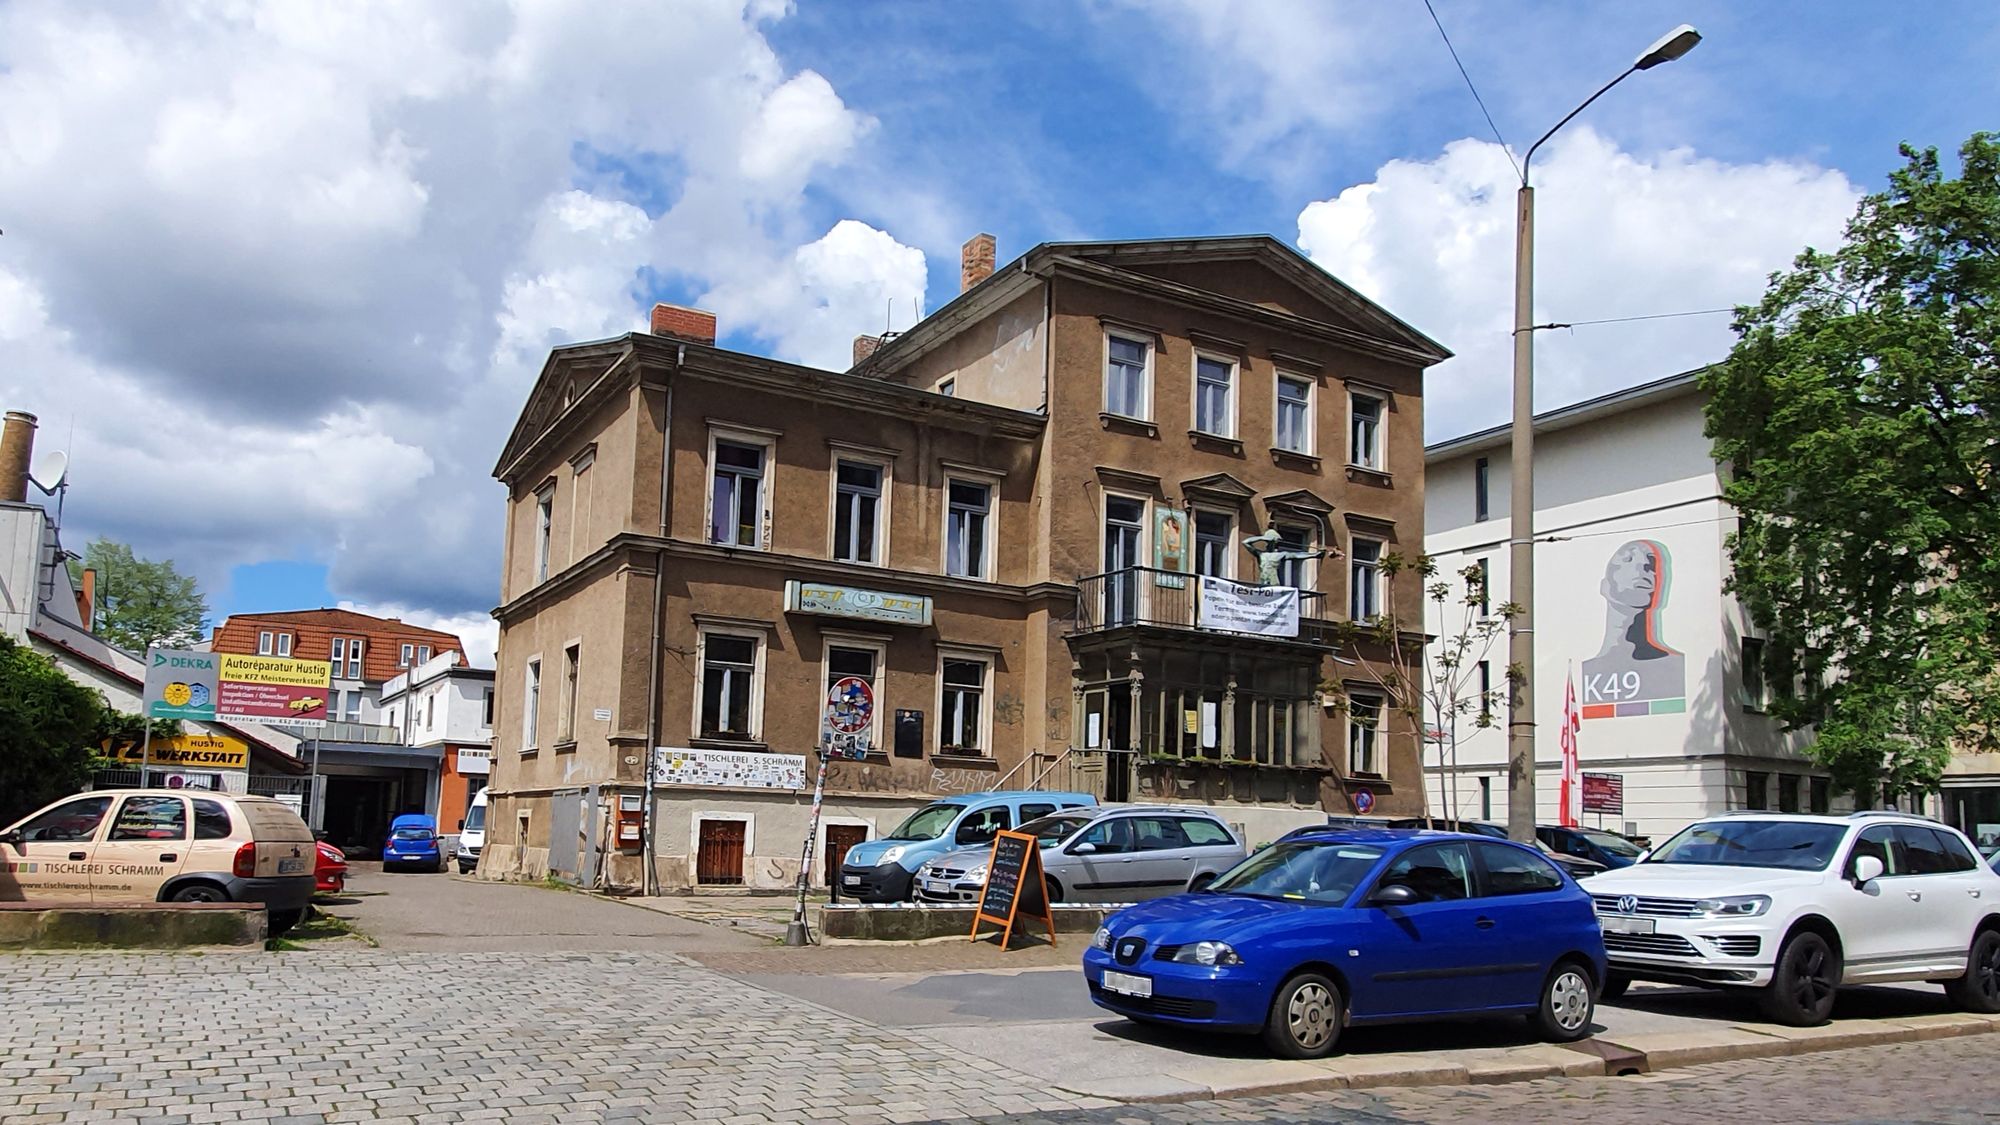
{"x": 719, "y": 859}
{"x": 839, "y": 838}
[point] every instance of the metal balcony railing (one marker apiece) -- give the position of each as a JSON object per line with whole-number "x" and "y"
{"x": 1169, "y": 599}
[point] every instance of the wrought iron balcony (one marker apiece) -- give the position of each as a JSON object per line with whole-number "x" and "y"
{"x": 1168, "y": 599}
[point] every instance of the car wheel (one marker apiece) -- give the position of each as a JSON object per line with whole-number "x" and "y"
{"x": 1567, "y": 1004}
{"x": 1979, "y": 989}
{"x": 200, "y": 892}
{"x": 1200, "y": 881}
{"x": 282, "y": 920}
{"x": 1614, "y": 986}
{"x": 1051, "y": 890}
{"x": 1304, "y": 1020}
{"x": 1802, "y": 985}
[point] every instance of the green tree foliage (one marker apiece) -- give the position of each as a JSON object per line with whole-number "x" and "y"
{"x": 143, "y": 602}
{"x": 1856, "y": 414}
{"x": 50, "y": 728}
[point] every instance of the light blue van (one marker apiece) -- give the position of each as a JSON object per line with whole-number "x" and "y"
{"x": 881, "y": 870}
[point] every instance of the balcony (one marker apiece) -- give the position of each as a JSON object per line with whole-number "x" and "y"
{"x": 1150, "y": 598}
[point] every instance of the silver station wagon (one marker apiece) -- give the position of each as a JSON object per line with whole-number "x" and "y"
{"x": 1124, "y": 854}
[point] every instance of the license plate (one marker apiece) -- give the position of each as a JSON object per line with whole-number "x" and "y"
{"x": 1627, "y": 925}
{"x": 1127, "y": 984}
{"x": 937, "y": 886}
{"x": 291, "y": 866}
{"x": 850, "y": 880}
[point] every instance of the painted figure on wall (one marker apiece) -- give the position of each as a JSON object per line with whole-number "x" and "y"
{"x": 1634, "y": 667}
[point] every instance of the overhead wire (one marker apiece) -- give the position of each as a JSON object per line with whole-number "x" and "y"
{"x": 1475, "y": 90}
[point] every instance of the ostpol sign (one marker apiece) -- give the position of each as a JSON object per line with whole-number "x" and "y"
{"x": 850, "y": 716}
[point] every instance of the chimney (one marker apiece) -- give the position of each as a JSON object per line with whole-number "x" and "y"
{"x": 683, "y": 323}
{"x": 975, "y": 261}
{"x": 865, "y": 346}
{"x": 17, "y": 448}
{"x": 86, "y": 601}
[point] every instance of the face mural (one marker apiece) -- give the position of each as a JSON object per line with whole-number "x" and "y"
{"x": 1635, "y": 672}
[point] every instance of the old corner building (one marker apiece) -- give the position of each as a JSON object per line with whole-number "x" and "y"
{"x": 1001, "y": 519}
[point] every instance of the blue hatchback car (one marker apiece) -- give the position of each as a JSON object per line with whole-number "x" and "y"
{"x": 413, "y": 842}
{"x": 1346, "y": 927}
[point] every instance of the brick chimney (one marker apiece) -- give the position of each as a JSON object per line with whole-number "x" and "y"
{"x": 683, "y": 323}
{"x": 86, "y": 601}
{"x": 865, "y": 346}
{"x": 17, "y": 448}
{"x": 975, "y": 261}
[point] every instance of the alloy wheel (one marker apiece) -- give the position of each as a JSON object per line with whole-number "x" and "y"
{"x": 1569, "y": 999}
{"x": 1986, "y": 974}
{"x": 1310, "y": 1015}
{"x": 1812, "y": 982}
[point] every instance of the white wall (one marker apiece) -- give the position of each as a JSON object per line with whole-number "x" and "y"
{"x": 21, "y": 553}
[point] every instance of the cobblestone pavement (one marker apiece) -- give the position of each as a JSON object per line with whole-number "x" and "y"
{"x": 1945, "y": 1081}
{"x": 328, "y": 1037}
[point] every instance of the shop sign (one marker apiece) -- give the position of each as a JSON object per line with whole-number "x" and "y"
{"x": 735, "y": 769}
{"x": 183, "y": 751}
{"x": 862, "y": 605}
{"x": 1265, "y": 611}
{"x": 273, "y": 689}
{"x": 181, "y": 684}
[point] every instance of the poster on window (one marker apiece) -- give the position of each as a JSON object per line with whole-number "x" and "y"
{"x": 1170, "y": 548}
{"x": 1232, "y": 607}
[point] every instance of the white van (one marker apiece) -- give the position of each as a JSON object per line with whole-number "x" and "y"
{"x": 472, "y": 834}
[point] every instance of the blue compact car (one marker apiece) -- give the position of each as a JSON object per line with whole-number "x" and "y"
{"x": 413, "y": 842}
{"x": 1347, "y": 927}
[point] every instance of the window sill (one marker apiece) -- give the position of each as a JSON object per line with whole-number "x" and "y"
{"x": 1293, "y": 459}
{"x": 965, "y": 761}
{"x": 1370, "y": 476}
{"x": 566, "y": 746}
{"x": 1119, "y": 423}
{"x": 728, "y": 744}
{"x": 1202, "y": 439}
{"x": 530, "y": 751}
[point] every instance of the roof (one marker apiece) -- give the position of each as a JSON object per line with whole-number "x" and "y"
{"x": 1575, "y": 414}
{"x": 342, "y": 619}
{"x": 1340, "y": 834}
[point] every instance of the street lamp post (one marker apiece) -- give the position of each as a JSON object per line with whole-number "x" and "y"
{"x": 1521, "y": 467}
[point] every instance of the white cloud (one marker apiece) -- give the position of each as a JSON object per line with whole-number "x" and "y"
{"x": 478, "y": 632}
{"x": 854, "y": 279}
{"x": 1617, "y": 235}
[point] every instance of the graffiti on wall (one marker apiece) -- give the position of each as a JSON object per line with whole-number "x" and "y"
{"x": 1635, "y": 671}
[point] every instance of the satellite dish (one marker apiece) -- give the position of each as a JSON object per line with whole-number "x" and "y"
{"x": 48, "y": 476}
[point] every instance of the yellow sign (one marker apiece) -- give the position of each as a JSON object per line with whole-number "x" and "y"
{"x": 278, "y": 670}
{"x": 192, "y": 751}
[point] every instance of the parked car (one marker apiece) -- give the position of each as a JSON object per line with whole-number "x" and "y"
{"x": 1102, "y": 855}
{"x": 1349, "y": 927}
{"x": 1796, "y": 906}
{"x": 329, "y": 870}
{"x": 1608, "y": 849}
{"x": 884, "y": 870}
{"x": 472, "y": 834}
{"x": 151, "y": 845}
{"x": 1578, "y": 867}
{"x": 413, "y": 842}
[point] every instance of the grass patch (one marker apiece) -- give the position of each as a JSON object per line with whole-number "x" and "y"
{"x": 318, "y": 928}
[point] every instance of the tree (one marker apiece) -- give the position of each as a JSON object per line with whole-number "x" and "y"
{"x": 1855, "y": 416}
{"x": 50, "y": 727}
{"x": 143, "y": 602}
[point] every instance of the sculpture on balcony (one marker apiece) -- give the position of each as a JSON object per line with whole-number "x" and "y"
{"x": 1272, "y": 552}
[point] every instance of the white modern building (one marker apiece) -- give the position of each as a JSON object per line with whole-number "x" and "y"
{"x": 1630, "y": 527}
{"x": 446, "y": 707}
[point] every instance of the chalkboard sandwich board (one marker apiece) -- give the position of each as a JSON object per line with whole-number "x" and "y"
{"x": 1015, "y": 887}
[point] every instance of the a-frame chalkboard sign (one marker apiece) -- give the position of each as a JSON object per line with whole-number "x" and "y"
{"x": 1015, "y": 888}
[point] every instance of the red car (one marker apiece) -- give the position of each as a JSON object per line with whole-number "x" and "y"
{"x": 329, "y": 870}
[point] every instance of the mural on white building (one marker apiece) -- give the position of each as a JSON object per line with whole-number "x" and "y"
{"x": 1635, "y": 671}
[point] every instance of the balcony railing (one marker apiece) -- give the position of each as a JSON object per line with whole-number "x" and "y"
{"x": 1169, "y": 599}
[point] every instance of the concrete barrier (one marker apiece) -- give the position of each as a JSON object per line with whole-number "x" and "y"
{"x": 923, "y": 922}
{"x": 163, "y": 925}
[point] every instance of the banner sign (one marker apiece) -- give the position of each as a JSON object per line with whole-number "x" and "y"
{"x": 740, "y": 769}
{"x": 1266, "y": 611}
{"x": 206, "y": 751}
{"x": 862, "y": 605}
{"x": 181, "y": 684}
{"x": 273, "y": 689}
{"x": 1604, "y": 793}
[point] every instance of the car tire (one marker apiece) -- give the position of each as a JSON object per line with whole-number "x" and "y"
{"x": 1614, "y": 986}
{"x": 1051, "y": 890}
{"x": 1979, "y": 989}
{"x": 1305, "y": 1017}
{"x": 200, "y": 892}
{"x": 1803, "y": 982}
{"x": 1200, "y": 881}
{"x": 280, "y": 921}
{"x": 1567, "y": 1005}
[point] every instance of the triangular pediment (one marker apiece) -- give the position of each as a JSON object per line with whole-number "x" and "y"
{"x": 567, "y": 375}
{"x": 1300, "y": 500}
{"x": 1218, "y": 488}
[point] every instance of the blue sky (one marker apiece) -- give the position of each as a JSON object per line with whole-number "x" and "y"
{"x": 288, "y": 272}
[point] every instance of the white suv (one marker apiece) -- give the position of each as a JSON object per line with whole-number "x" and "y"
{"x": 1800, "y": 905}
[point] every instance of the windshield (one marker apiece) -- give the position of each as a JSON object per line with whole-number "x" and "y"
{"x": 1053, "y": 830}
{"x": 1301, "y": 871}
{"x": 927, "y": 823}
{"x": 475, "y": 819}
{"x": 1789, "y": 844}
{"x": 1616, "y": 845}
{"x": 412, "y": 834}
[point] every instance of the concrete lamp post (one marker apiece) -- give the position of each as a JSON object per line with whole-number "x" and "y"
{"x": 1521, "y": 466}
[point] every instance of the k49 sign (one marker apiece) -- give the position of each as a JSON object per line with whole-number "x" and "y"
{"x": 271, "y": 689}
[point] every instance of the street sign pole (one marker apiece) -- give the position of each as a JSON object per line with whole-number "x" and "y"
{"x": 847, "y": 714}
{"x": 796, "y": 932}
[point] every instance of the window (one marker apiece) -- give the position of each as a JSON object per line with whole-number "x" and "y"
{"x": 266, "y": 644}
{"x": 981, "y": 825}
{"x": 1788, "y": 792}
{"x": 1515, "y": 871}
{"x": 530, "y": 712}
{"x": 339, "y": 660}
{"x": 1922, "y": 847}
{"x": 1958, "y": 857}
{"x": 579, "y": 502}
{"x": 1436, "y": 872}
{"x": 1364, "y": 579}
{"x": 1202, "y": 833}
{"x": 1485, "y": 689}
{"x": 857, "y": 510}
{"x": 1296, "y": 573}
{"x": 862, "y": 661}
{"x": 1124, "y": 551}
{"x": 352, "y": 706}
{"x": 962, "y": 707}
{"x": 572, "y": 658}
{"x": 71, "y": 820}
{"x": 1213, "y": 533}
{"x": 211, "y": 820}
{"x": 1364, "y": 716}
{"x": 1158, "y": 833}
{"x": 487, "y": 711}
{"x": 1881, "y": 842}
{"x": 1294, "y": 419}
{"x": 423, "y": 654}
{"x": 1125, "y": 376}
{"x": 968, "y": 504}
{"x": 1822, "y": 795}
{"x": 1109, "y": 837}
{"x": 545, "y": 519}
{"x": 284, "y": 644}
{"x": 405, "y": 655}
{"x": 1755, "y": 694}
{"x": 1214, "y": 396}
{"x": 150, "y": 818}
{"x": 1756, "y": 790}
{"x": 354, "y": 658}
{"x": 1364, "y": 446}
{"x": 736, "y": 495}
{"x": 1482, "y": 482}
{"x": 729, "y": 686}
{"x": 1484, "y": 583}
{"x": 948, "y": 388}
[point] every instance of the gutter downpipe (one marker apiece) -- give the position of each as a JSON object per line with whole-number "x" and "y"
{"x": 650, "y": 875}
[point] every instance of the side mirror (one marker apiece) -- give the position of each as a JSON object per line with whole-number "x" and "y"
{"x": 461, "y": 824}
{"x": 1084, "y": 847}
{"x": 1644, "y": 856}
{"x": 1867, "y": 869}
{"x": 12, "y": 836}
{"x": 1395, "y": 894}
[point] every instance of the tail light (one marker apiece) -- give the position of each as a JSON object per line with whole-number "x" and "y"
{"x": 245, "y": 864}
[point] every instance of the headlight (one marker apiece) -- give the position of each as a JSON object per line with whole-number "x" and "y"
{"x": 1103, "y": 938}
{"x": 1210, "y": 953}
{"x": 892, "y": 854}
{"x": 977, "y": 874}
{"x": 1737, "y": 906}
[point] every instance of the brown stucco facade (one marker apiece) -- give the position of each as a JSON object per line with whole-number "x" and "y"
{"x": 641, "y": 585}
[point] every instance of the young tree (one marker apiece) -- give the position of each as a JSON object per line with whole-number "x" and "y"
{"x": 143, "y": 602}
{"x": 50, "y": 728}
{"x": 1856, "y": 416}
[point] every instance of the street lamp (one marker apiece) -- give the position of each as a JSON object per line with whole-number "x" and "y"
{"x": 1521, "y": 466}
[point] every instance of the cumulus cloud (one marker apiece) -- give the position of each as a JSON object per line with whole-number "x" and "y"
{"x": 478, "y": 632}
{"x": 1617, "y": 235}
{"x": 851, "y": 280}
